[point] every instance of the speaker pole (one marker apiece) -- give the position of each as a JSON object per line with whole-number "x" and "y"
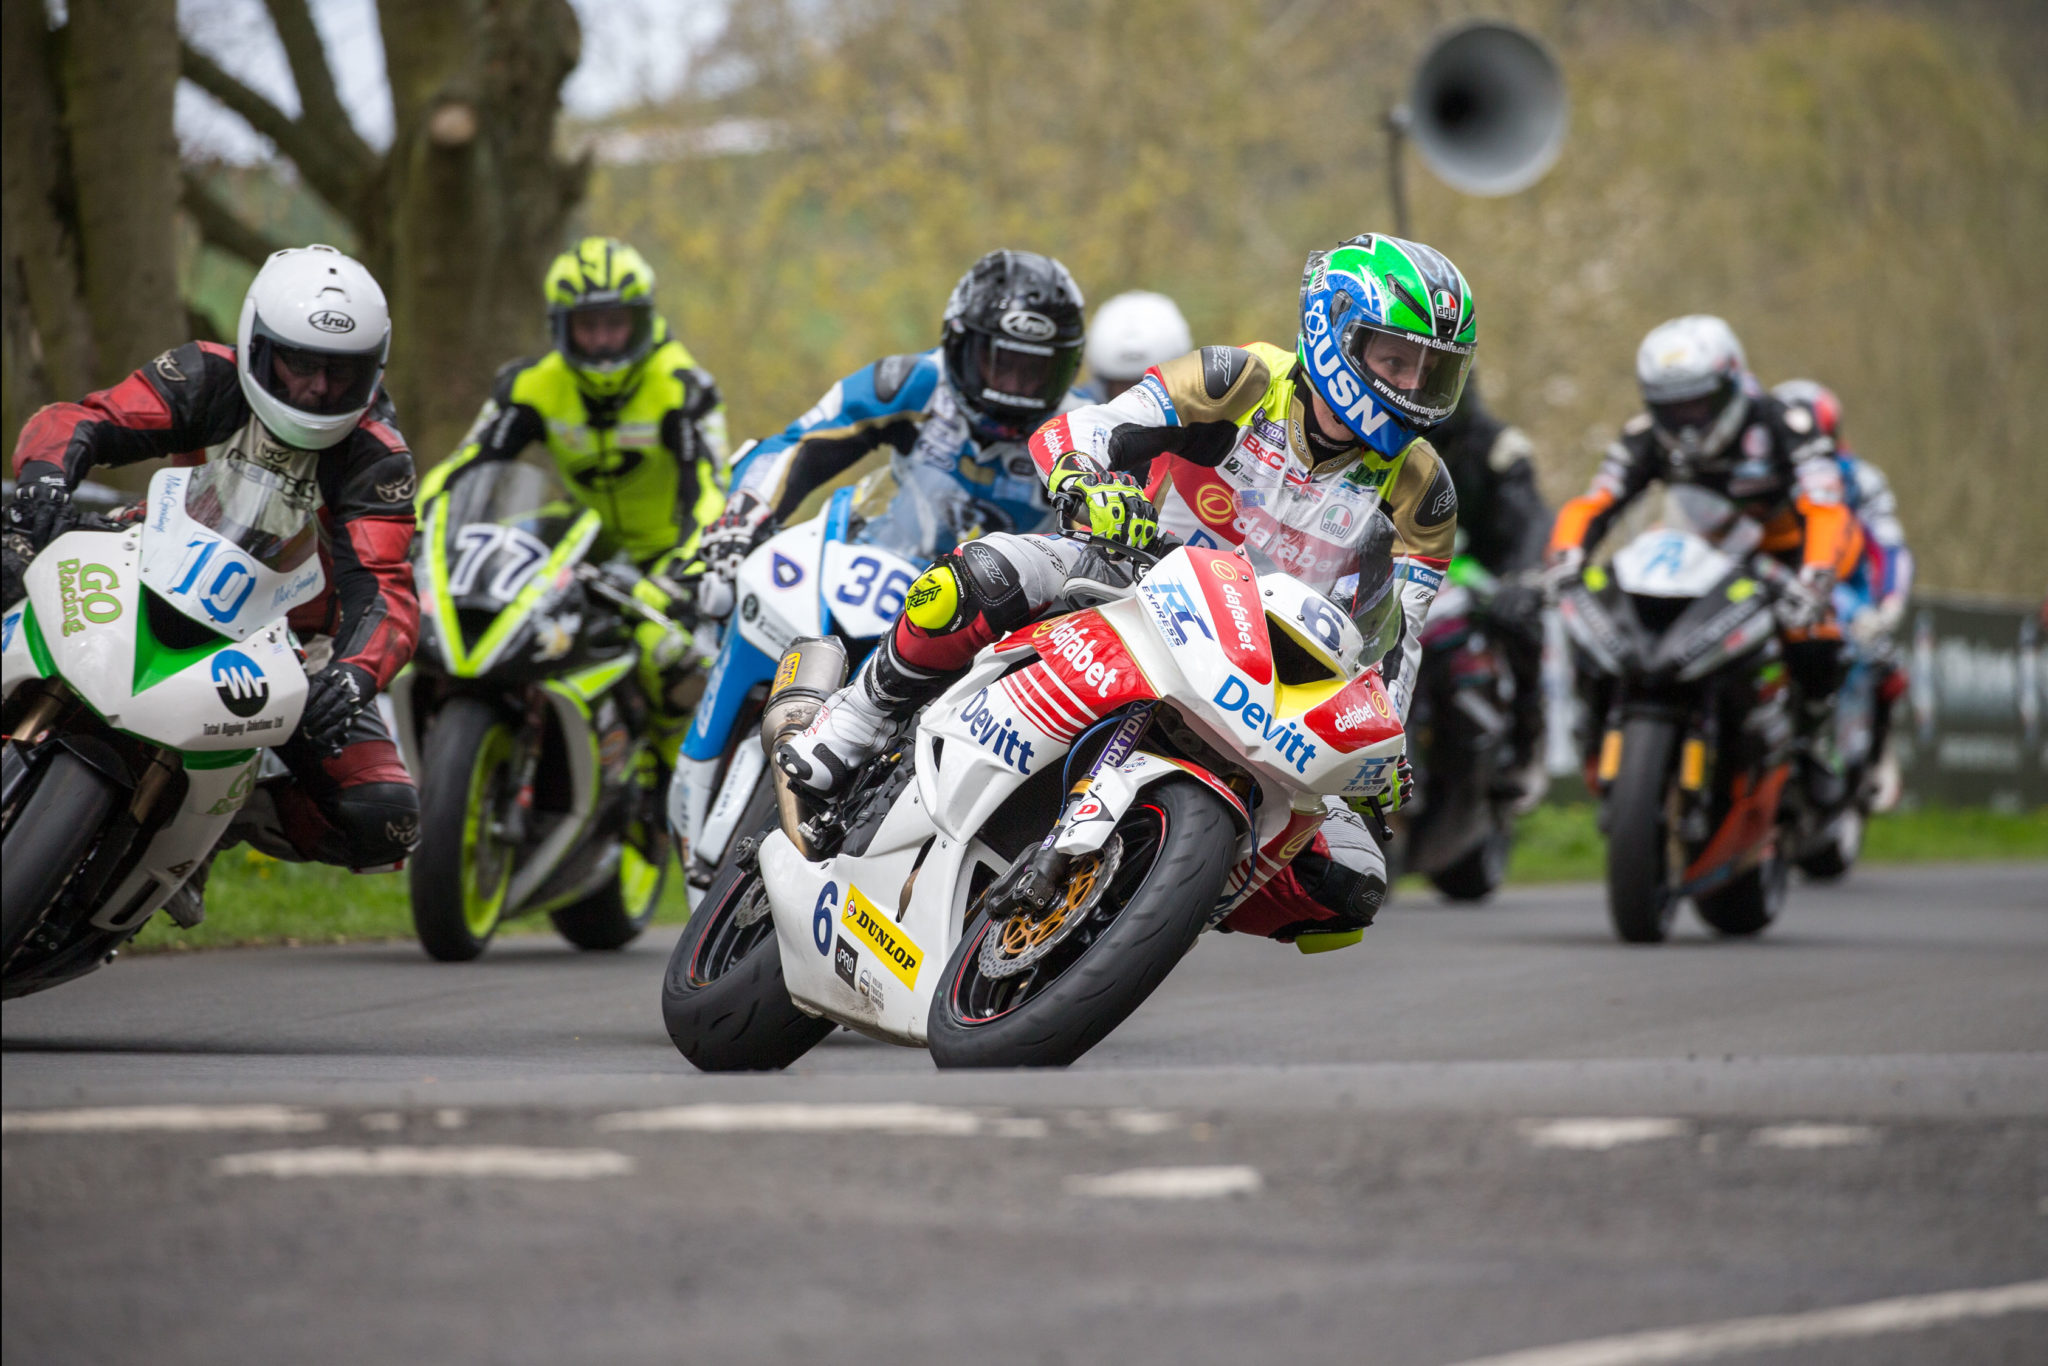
{"x": 1397, "y": 123}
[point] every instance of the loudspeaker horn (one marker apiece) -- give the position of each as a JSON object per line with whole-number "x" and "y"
{"x": 1487, "y": 108}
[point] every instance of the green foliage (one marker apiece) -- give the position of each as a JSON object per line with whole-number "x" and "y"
{"x": 1862, "y": 191}
{"x": 252, "y": 899}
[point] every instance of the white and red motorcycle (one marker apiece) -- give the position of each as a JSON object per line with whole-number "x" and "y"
{"x": 1032, "y": 853}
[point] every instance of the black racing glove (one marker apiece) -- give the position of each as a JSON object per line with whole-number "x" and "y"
{"x": 39, "y": 510}
{"x": 334, "y": 696}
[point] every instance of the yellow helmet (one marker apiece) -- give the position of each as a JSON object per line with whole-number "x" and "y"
{"x": 601, "y": 313}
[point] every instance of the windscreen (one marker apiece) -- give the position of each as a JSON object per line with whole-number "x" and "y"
{"x": 1332, "y": 536}
{"x": 915, "y": 510}
{"x": 502, "y": 521}
{"x": 263, "y": 510}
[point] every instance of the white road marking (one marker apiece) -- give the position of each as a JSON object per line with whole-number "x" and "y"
{"x": 130, "y": 1119}
{"x": 1598, "y": 1135}
{"x": 1143, "y": 1123}
{"x": 450, "y": 1118}
{"x": 1814, "y": 1136}
{"x": 532, "y": 1164}
{"x": 1170, "y": 1183}
{"x": 1774, "y": 1332}
{"x": 903, "y": 1118}
{"x": 382, "y": 1121}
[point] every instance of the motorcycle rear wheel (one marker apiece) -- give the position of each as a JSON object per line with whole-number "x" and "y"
{"x": 613, "y": 916}
{"x": 1479, "y": 874}
{"x": 723, "y": 997}
{"x": 1838, "y": 855}
{"x": 461, "y": 872}
{"x": 1749, "y": 903}
{"x": 1178, "y": 847}
{"x": 1639, "y": 899}
{"x": 55, "y": 824}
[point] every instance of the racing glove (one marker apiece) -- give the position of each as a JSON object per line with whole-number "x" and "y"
{"x": 747, "y": 521}
{"x": 334, "y": 696}
{"x": 37, "y": 513}
{"x": 1567, "y": 564}
{"x": 1113, "y": 505}
{"x": 1803, "y": 600}
{"x": 1399, "y": 787}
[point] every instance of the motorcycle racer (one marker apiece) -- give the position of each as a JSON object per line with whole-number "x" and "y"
{"x": 955, "y": 417}
{"x": 1708, "y": 422}
{"x": 636, "y": 427}
{"x": 299, "y": 400}
{"x": 1387, "y": 336}
{"x": 1873, "y": 598}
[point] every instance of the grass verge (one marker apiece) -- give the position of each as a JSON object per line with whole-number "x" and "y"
{"x": 252, "y": 899}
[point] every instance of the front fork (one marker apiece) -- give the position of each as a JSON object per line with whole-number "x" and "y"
{"x": 1036, "y": 881}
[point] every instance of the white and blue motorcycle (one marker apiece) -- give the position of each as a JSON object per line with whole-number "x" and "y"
{"x": 840, "y": 574}
{"x": 147, "y": 670}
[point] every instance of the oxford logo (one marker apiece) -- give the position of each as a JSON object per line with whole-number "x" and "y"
{"x": 332, "y": 320}
{"x": 1025, "y": 325}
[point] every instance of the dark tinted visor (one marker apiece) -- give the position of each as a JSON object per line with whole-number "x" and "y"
{"x": 323, "y": 383}
{"x": 1429, "y": 375}
{"x": 598, "y": 336}
{"x": 1021, "y": 375}
{"x": 1697, "y": 413}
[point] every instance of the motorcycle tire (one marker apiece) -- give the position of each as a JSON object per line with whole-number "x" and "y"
{"x": 459, "y": 875}
{"x": 1166, "y": 898}
{"x": 54, "y": 827}
{"x": 723, "y": 997}
{"x": 614, "y": 915}
{"x": 1639, "y": 899}
{"x": 1838, "y": 855}
{"x": 1747, "y": 905}
{"x": 1479, "y": 874}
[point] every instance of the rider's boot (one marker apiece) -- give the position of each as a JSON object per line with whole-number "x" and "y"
{"x": 851, "y": 727}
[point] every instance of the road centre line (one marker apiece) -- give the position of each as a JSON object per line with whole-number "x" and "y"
{"x": 129, "y": 1119}
{"x": 1773, "y": 1332}
{"x": 1169, "y": 1183}
{"x": 1598, "y": 1135}
{"x": 532, "y": 1164}
{"x": 1801, "y": 1136}
{"x": 890, "y": 1118}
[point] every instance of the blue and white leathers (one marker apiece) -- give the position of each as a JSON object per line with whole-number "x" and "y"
{"x": 901, "y": 409}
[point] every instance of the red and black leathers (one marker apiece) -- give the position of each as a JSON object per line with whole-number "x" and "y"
{"x": 186, "y": 405}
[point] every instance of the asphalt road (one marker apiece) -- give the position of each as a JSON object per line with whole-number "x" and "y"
{"x": 1480, "y": 1132}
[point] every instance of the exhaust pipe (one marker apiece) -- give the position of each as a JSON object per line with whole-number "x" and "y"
{"x": 811, "y": 671}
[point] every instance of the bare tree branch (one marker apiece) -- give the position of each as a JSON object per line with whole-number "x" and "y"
{"x": 320, "y": 107}
{"x": 320, "y": 160}
{"x": 221, "y": 227}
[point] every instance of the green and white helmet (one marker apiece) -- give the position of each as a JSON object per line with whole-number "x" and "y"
{"x": 1387, "y": 335}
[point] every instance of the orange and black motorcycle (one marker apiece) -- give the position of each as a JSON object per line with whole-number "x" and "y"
{"x": 1678, "y": 649}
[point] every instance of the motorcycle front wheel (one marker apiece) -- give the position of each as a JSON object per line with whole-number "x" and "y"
{"x": 54, "y": 824}
{"x": 463, "y": 867}
{"x": 1177, "y": 847}
{"x": 1639, "y": 899}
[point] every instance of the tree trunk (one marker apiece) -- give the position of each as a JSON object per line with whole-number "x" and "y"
{"x": 48, "y": 336}
{"x": 120, "y": 79}
{"x": 477, "y": 198}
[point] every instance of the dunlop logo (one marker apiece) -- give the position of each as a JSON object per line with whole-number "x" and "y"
{"x": 889, "y": 942}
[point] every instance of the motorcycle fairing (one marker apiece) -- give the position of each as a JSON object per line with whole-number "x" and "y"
{"x": 87, "y": 615}
{"x": 208, "y": 578}
{"x": 1670, "y": 563}
{"x": 216, "y": 787}
{"x": 438, "y": 591}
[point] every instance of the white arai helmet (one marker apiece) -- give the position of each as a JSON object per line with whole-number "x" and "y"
{"x": 314, "y": 336}
{"x": 1696, "y": 384}
{"x": 1134, "y": 332}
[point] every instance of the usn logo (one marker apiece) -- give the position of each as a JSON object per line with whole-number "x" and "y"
{"x": 1295, "y": 748}
{"x": 997, "y": 735}
{"x": 241, "y": 685}
{"x": 1360, "y": 413}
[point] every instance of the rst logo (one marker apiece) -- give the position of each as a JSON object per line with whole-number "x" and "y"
{"x": 1236, "y": 699}
{"x": 998, "y": 735}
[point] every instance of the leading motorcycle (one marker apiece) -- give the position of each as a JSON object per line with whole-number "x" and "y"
{"x": 1034, "y": 851}
{"x": 144, "y": 674}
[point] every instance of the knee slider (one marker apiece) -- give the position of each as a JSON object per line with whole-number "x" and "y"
{"x": 994, "y": 586}
{"x": 933, "y": 603}
{"x": 1353, "y": 897}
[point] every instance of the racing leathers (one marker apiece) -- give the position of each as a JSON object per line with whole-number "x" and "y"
{"x": 650, "y": 463}
{"x": 1872, "y": 604}
{"x": 356, "y": 805}
{"x": 1211, "y": 434}
{"x": 1783, "y": 474}
{"x": 901, "y": 412}
{"x": 1505, "y": 524}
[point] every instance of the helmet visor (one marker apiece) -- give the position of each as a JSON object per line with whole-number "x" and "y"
{"x": 1019, "y": 377}
{"x": 1420, "y": 376}
{"x": 311, "y": 380}
{"x": 605, "y": 336}
{"x": 1698, "y": 414}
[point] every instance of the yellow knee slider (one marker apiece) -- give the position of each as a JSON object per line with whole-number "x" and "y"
{"x": 933, "y": 604}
